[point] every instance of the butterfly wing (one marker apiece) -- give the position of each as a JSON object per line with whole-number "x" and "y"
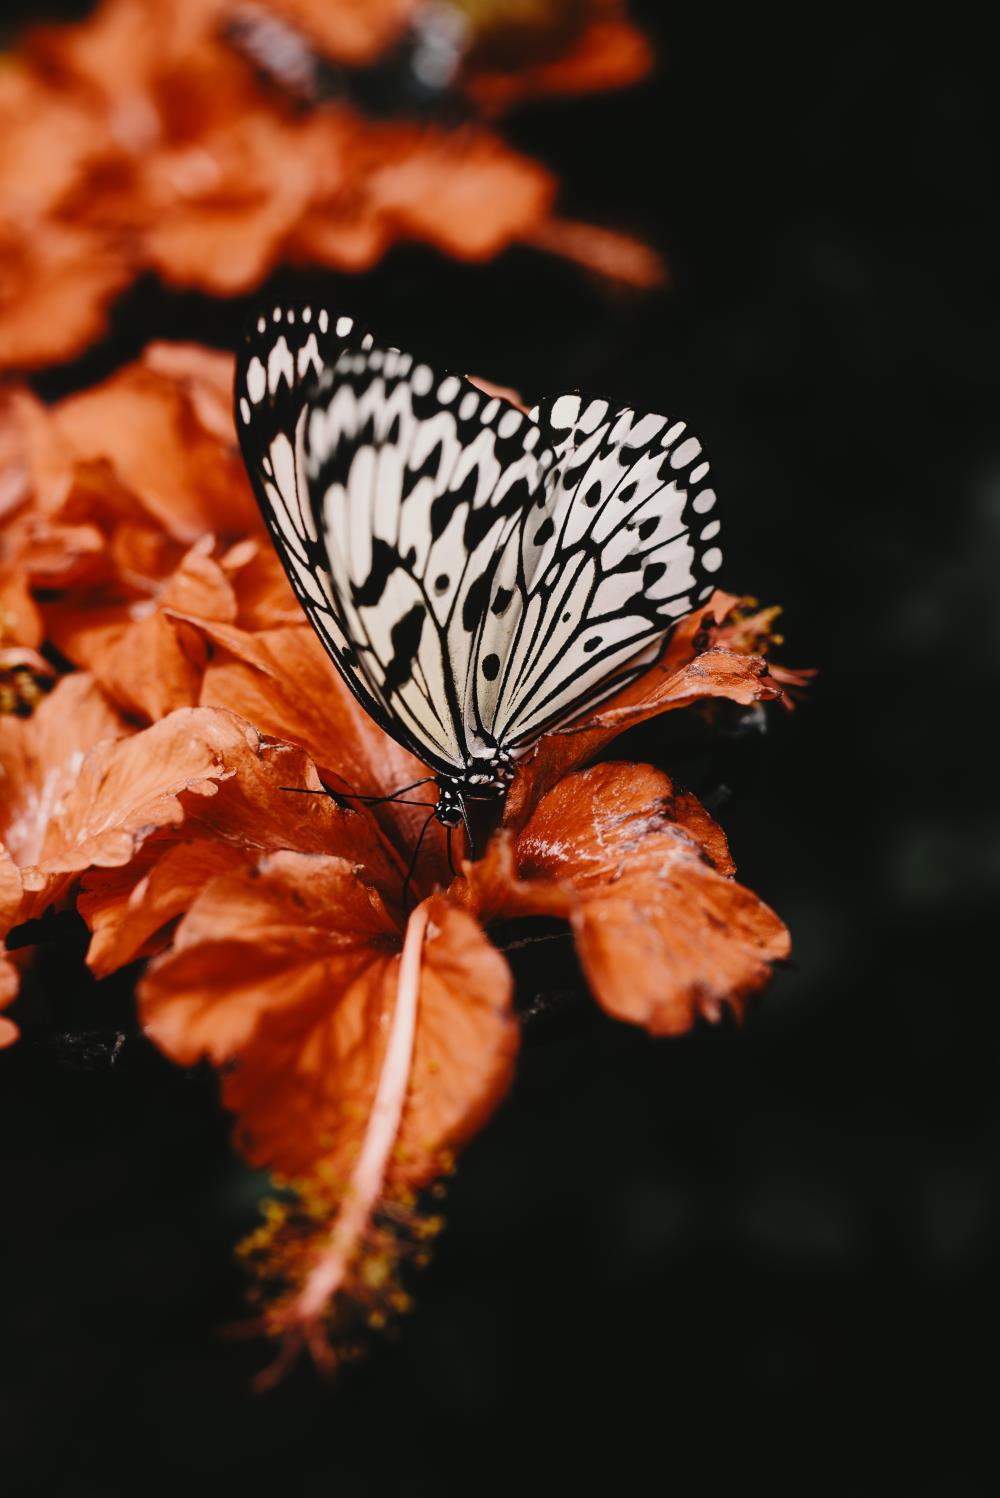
{"x": 478, "y": 576}
{"x": 414, "y": 480}
{"x": 621, "y": 544}
{"x": 285, "y": 351}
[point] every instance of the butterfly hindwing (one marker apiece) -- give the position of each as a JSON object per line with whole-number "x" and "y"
{"x": 620, "y": 545}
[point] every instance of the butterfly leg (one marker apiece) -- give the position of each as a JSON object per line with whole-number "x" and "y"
{"x": 468, "y": 833}
{"x": 416, "y": 853}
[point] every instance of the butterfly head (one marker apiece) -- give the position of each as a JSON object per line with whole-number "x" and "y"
{"x": 450, "y": 810}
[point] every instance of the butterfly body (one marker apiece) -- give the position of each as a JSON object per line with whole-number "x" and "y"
{"x": 479, "y": 576}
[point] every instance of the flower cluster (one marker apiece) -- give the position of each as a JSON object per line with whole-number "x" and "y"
{"x": 141, "y": 139}
{"x": 155, "y": 788}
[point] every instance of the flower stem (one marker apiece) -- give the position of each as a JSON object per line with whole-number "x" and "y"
{"x": 367, "y": 1179}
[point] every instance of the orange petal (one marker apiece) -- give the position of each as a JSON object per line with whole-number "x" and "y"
{"x": 264, "y": 598}
{"x": 283, "y": 681}
{"x": 206, "y": 377}
{"x": 643, "y": 874}
{"x": 470, "y": 195}
{"x": 20, "y": 622}
{"x": 609, "y": 53}
{"x": 58, "y": 282}
{"x": 10, "y": 892}
{"x": 148, "y": 428}
{"x": 667, "y": 945}
{"x": 715, "y": 673}
{"x": 148, "y": 667}
{"x": 289, "y": 972}
{"x": 130, "y": 915}
{"x": 466, "y": 1041}
{"x": 607, "y": 252}
{"x": 257, "y": 809}
{"x": 41, "y": 757}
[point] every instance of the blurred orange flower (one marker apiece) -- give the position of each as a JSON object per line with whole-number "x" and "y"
{"x": 140, "y": 139}
{"x": 171, "y": 787}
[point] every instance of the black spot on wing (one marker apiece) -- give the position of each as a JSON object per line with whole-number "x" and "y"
{"x": 428, "y": 469}
{"x": 385, "y": 560}
{"x": 445, "y": 505}
{"x": 405, "y": 637}
{"x": 476, "y": 601}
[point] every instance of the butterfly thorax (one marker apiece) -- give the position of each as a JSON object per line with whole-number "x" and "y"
{"x": 482, "y": 780}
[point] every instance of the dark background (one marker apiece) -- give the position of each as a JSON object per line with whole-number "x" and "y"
{"x": 752, "y": 1256}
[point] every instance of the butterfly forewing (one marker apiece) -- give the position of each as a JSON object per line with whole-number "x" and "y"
{"x": 285, "y": 350}
{"x": 415, "y": 478}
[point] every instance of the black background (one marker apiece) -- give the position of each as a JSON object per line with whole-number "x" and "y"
{"x": 760, "y": 1255}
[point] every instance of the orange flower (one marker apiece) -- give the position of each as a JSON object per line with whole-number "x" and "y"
{"x": 140, "y": 139}
{"x": 173, "y": 790}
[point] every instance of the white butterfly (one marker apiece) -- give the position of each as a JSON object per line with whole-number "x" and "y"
{"x": 478, "y": 576}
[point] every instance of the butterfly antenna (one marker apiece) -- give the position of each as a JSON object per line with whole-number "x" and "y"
{"x": 395, "y": 796}
{"x": 342, "y": 798}
{"x": 416, "y": 852}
